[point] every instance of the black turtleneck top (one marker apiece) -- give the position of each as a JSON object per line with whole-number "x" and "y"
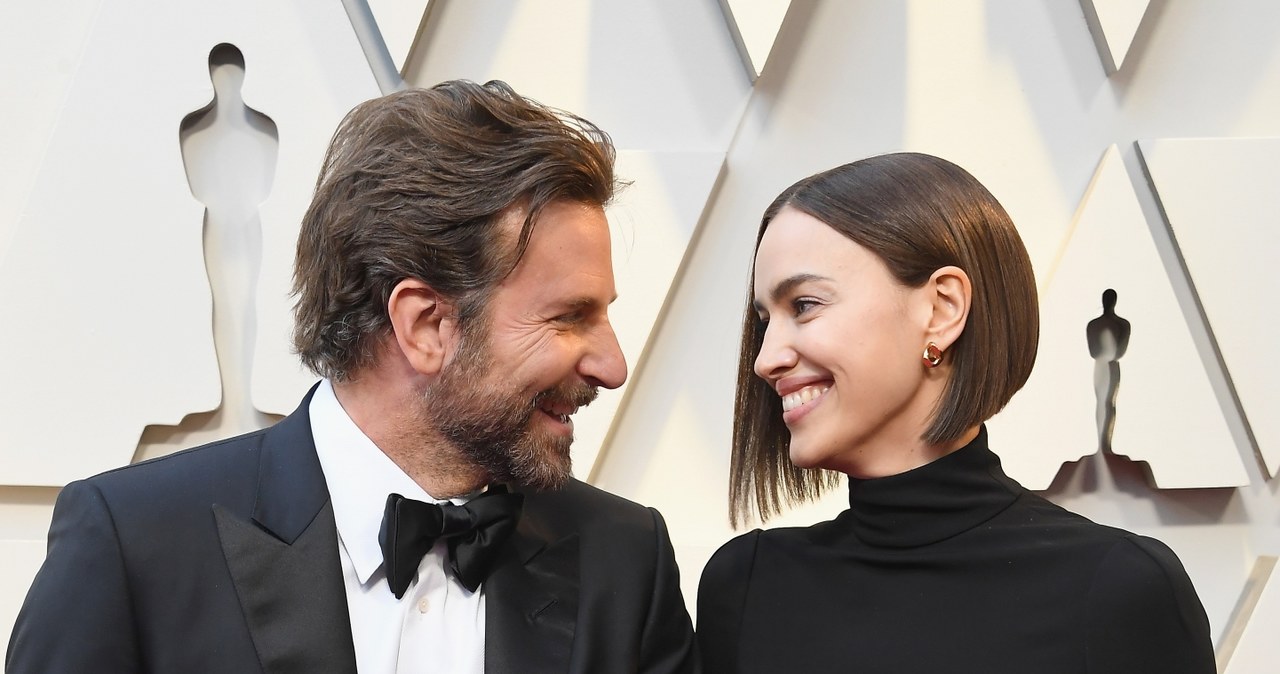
{"x": 950, "y": 568}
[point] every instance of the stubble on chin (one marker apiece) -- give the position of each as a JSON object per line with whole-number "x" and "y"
{"x": 490, "y": 424}
{"x": 539, "y": 463}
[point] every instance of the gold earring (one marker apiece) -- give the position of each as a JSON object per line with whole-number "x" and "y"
{"x": 932, "y": 355}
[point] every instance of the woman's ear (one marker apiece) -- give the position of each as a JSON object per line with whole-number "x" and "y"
{"x": 951, "y": 294}
{"x": 422, "y": 324}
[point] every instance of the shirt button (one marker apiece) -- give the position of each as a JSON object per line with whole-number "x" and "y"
{"x": 423, "y": 605}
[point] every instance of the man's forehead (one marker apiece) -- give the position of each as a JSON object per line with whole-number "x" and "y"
{"x": 568, "y": 250}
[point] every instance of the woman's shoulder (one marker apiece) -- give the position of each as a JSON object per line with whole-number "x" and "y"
{"x": 745, "y": 547}
{"x": 1143, "y": 608}
{"x": 1141, "y": 611}
{"x": 1137, "y": 570}
{"x": 733, "y": 560}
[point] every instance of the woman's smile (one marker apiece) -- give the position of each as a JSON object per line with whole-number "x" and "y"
{"x": 798, "y": 404}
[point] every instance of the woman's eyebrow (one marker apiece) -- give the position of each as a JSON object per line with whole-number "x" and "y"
{"x": 785, "y": 286}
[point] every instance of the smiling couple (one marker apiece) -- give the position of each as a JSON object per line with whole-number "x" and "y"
{"x": 417, "y": 511}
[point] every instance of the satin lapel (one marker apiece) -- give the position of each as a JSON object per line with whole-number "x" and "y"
{"x": 531, "y": 603}
{"x": 284, "y": 562}
{"x": 296, "y": 613}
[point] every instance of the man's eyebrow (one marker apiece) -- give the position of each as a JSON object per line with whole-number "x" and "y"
{"x": 582, "y": 302}
{"x": 785, "y": 286}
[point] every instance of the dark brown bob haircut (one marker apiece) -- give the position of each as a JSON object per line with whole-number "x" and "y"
{"x": 917, "y": 213}
{"x": 414, "y": 185}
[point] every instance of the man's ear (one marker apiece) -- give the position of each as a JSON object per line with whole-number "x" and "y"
{"x": 423, "y": 323}
{"x": 951, "y": 293}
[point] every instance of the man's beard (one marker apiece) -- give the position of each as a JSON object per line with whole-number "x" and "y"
{"x": 490, "y": 421}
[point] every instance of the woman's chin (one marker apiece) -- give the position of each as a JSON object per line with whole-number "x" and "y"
{"x": 802, "y": 457}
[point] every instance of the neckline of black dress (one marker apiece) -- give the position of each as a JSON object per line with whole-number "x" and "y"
{"x": 931, "y": 503}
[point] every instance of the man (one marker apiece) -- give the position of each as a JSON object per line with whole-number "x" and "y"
{"x": 453, "y": 276}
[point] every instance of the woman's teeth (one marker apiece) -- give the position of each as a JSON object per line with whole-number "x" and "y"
{"x": 803, "y": 396}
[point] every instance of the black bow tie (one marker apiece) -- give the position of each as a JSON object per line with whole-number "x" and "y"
{"x": 475, "y": 531}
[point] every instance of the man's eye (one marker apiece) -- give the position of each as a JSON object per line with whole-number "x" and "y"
{"x": 571, "y": 318}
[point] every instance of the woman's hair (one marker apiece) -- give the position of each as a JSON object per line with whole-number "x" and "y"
{"x": 917, "y": 213}
{"x": 415, "y": 185}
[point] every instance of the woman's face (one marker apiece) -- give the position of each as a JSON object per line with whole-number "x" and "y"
{"x": 842, "y": 347}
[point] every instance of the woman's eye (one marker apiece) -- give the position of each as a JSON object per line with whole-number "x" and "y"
{"x": 802, "y": 304}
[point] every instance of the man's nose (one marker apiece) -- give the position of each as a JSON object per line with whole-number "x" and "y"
{"x": 603, "y": 364}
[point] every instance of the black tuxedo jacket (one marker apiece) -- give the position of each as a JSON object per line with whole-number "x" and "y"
{"x": 224, "y": 558}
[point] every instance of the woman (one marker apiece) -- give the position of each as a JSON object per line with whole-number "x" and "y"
{"x": 894, "y": 312}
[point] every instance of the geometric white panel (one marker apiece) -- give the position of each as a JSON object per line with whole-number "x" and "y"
{"x": 657, "y": 76}
{"x": 398, "y": 22}
{"x": 112, "y": 331}
{"x": 1113, "y": 24}
{"x": 40, "y": 46}
{"x": 754, "y": 25}
{"x": 1166, "y": 413}
{"x": 1222, "y": 199}
{"x": 651, "y": 222}
{"x": 1257, "y": 649}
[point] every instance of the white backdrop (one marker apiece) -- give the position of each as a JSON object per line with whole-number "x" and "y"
{"x": 1027, "y": 95}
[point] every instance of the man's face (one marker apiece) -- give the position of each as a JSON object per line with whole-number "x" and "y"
{"x": 541, "y": 350}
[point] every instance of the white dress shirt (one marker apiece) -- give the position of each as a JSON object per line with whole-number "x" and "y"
{"x": 438, "y": 626}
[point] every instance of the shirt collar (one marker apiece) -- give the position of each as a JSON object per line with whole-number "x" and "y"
{"x": 360, "y": 477}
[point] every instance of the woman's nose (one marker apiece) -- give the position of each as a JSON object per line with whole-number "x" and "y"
{"x": 776, "y": 355}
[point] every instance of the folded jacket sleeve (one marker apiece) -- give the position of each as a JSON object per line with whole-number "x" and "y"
{"x": 668, "y": 645}
{"x": 77, "y": 615}
{"x": 1144, "y": 614}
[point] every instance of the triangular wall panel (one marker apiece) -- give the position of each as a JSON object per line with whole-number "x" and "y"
{"x": 1113, "y": 23}
{"x": 40, "y": 47}
{"x": 1222, "y": 199}
{"x": 1254, "y": 648}
{"x": 1166, "y": 413}
{"x": 652, "y": 221}
{"x": 754, "y": 25}
{"x": 398, "y": 22}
